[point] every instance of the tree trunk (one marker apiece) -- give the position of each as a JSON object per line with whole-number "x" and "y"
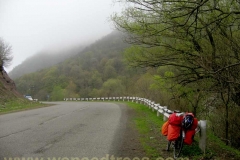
{"x": 226, "y": 125}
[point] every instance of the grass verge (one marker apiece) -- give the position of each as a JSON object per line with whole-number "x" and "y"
{"x": 15, "y": 105}
{"x": 217, "y": 148}
{"x": 149, "y": 125}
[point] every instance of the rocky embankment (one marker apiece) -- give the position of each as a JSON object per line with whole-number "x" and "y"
{"x": 7, "y": 87}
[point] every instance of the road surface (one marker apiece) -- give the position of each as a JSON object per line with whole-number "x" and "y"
{"x": 67, "y": 129}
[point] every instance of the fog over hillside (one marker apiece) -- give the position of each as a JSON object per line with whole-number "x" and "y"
{"x": 43, "y": 60}
{"x": 31, "y": 26}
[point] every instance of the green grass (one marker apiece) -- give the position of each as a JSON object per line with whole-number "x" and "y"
{"x": 223, "y": 150}
{"x": 14, "y": 105}
{"x": 192, "y": 151}
{"x": 146, "y": 121}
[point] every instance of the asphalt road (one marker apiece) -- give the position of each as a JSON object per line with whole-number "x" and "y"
{"x": 67, "y": 129}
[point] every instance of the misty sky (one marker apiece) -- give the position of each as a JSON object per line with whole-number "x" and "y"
{"x": 31, "y": 26}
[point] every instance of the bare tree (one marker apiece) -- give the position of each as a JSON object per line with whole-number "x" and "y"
{"x": 5, "y": 54}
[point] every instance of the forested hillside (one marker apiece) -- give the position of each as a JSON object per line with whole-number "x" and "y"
{"x": 99, "y": 70}
{"x": 43, "y": 60}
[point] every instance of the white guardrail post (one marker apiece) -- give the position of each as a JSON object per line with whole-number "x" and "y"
{"x": 152, "y": 106}
{"x": 202, "y": 124}
{"x": 149, "y": 104}
{"x": 165, "y": 114}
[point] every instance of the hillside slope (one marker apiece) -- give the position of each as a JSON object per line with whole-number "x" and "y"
{"x": 7, "y": 87}
{"x": 43, "y": 60}
{"x": 99, "y": 70}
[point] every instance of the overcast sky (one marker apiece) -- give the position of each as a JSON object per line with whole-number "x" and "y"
{"x": 31, "y": 26}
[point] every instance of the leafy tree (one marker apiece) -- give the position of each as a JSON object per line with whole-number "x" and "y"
{"x": 199, "y": 38}
{"x": 96, "y": 79}
{"x": 96, "y": 93}
{"x": 71, "y": 90}
{"x": 189, "y": 35}
{"x": 143, "y": 84}
{"x": 113, "y": 87}
{"x": 109, "y": 70}
{"x": 57, "y": 94}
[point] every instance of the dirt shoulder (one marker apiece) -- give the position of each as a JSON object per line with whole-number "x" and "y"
{"x": 142, "y": 138}
{"x": 134, "y": 143}
{"x": 127, "y": 142}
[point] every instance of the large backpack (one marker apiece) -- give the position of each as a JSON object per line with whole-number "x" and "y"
{"x": 165, "y": 128}
{"x": 174, "y": 127}
{"x": 189, "y": 133}
{"x": 175, "y": 119}
{"x": 173, "y": 132}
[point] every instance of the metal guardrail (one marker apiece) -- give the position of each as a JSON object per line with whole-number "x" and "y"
{"x": 154, "y": 107}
